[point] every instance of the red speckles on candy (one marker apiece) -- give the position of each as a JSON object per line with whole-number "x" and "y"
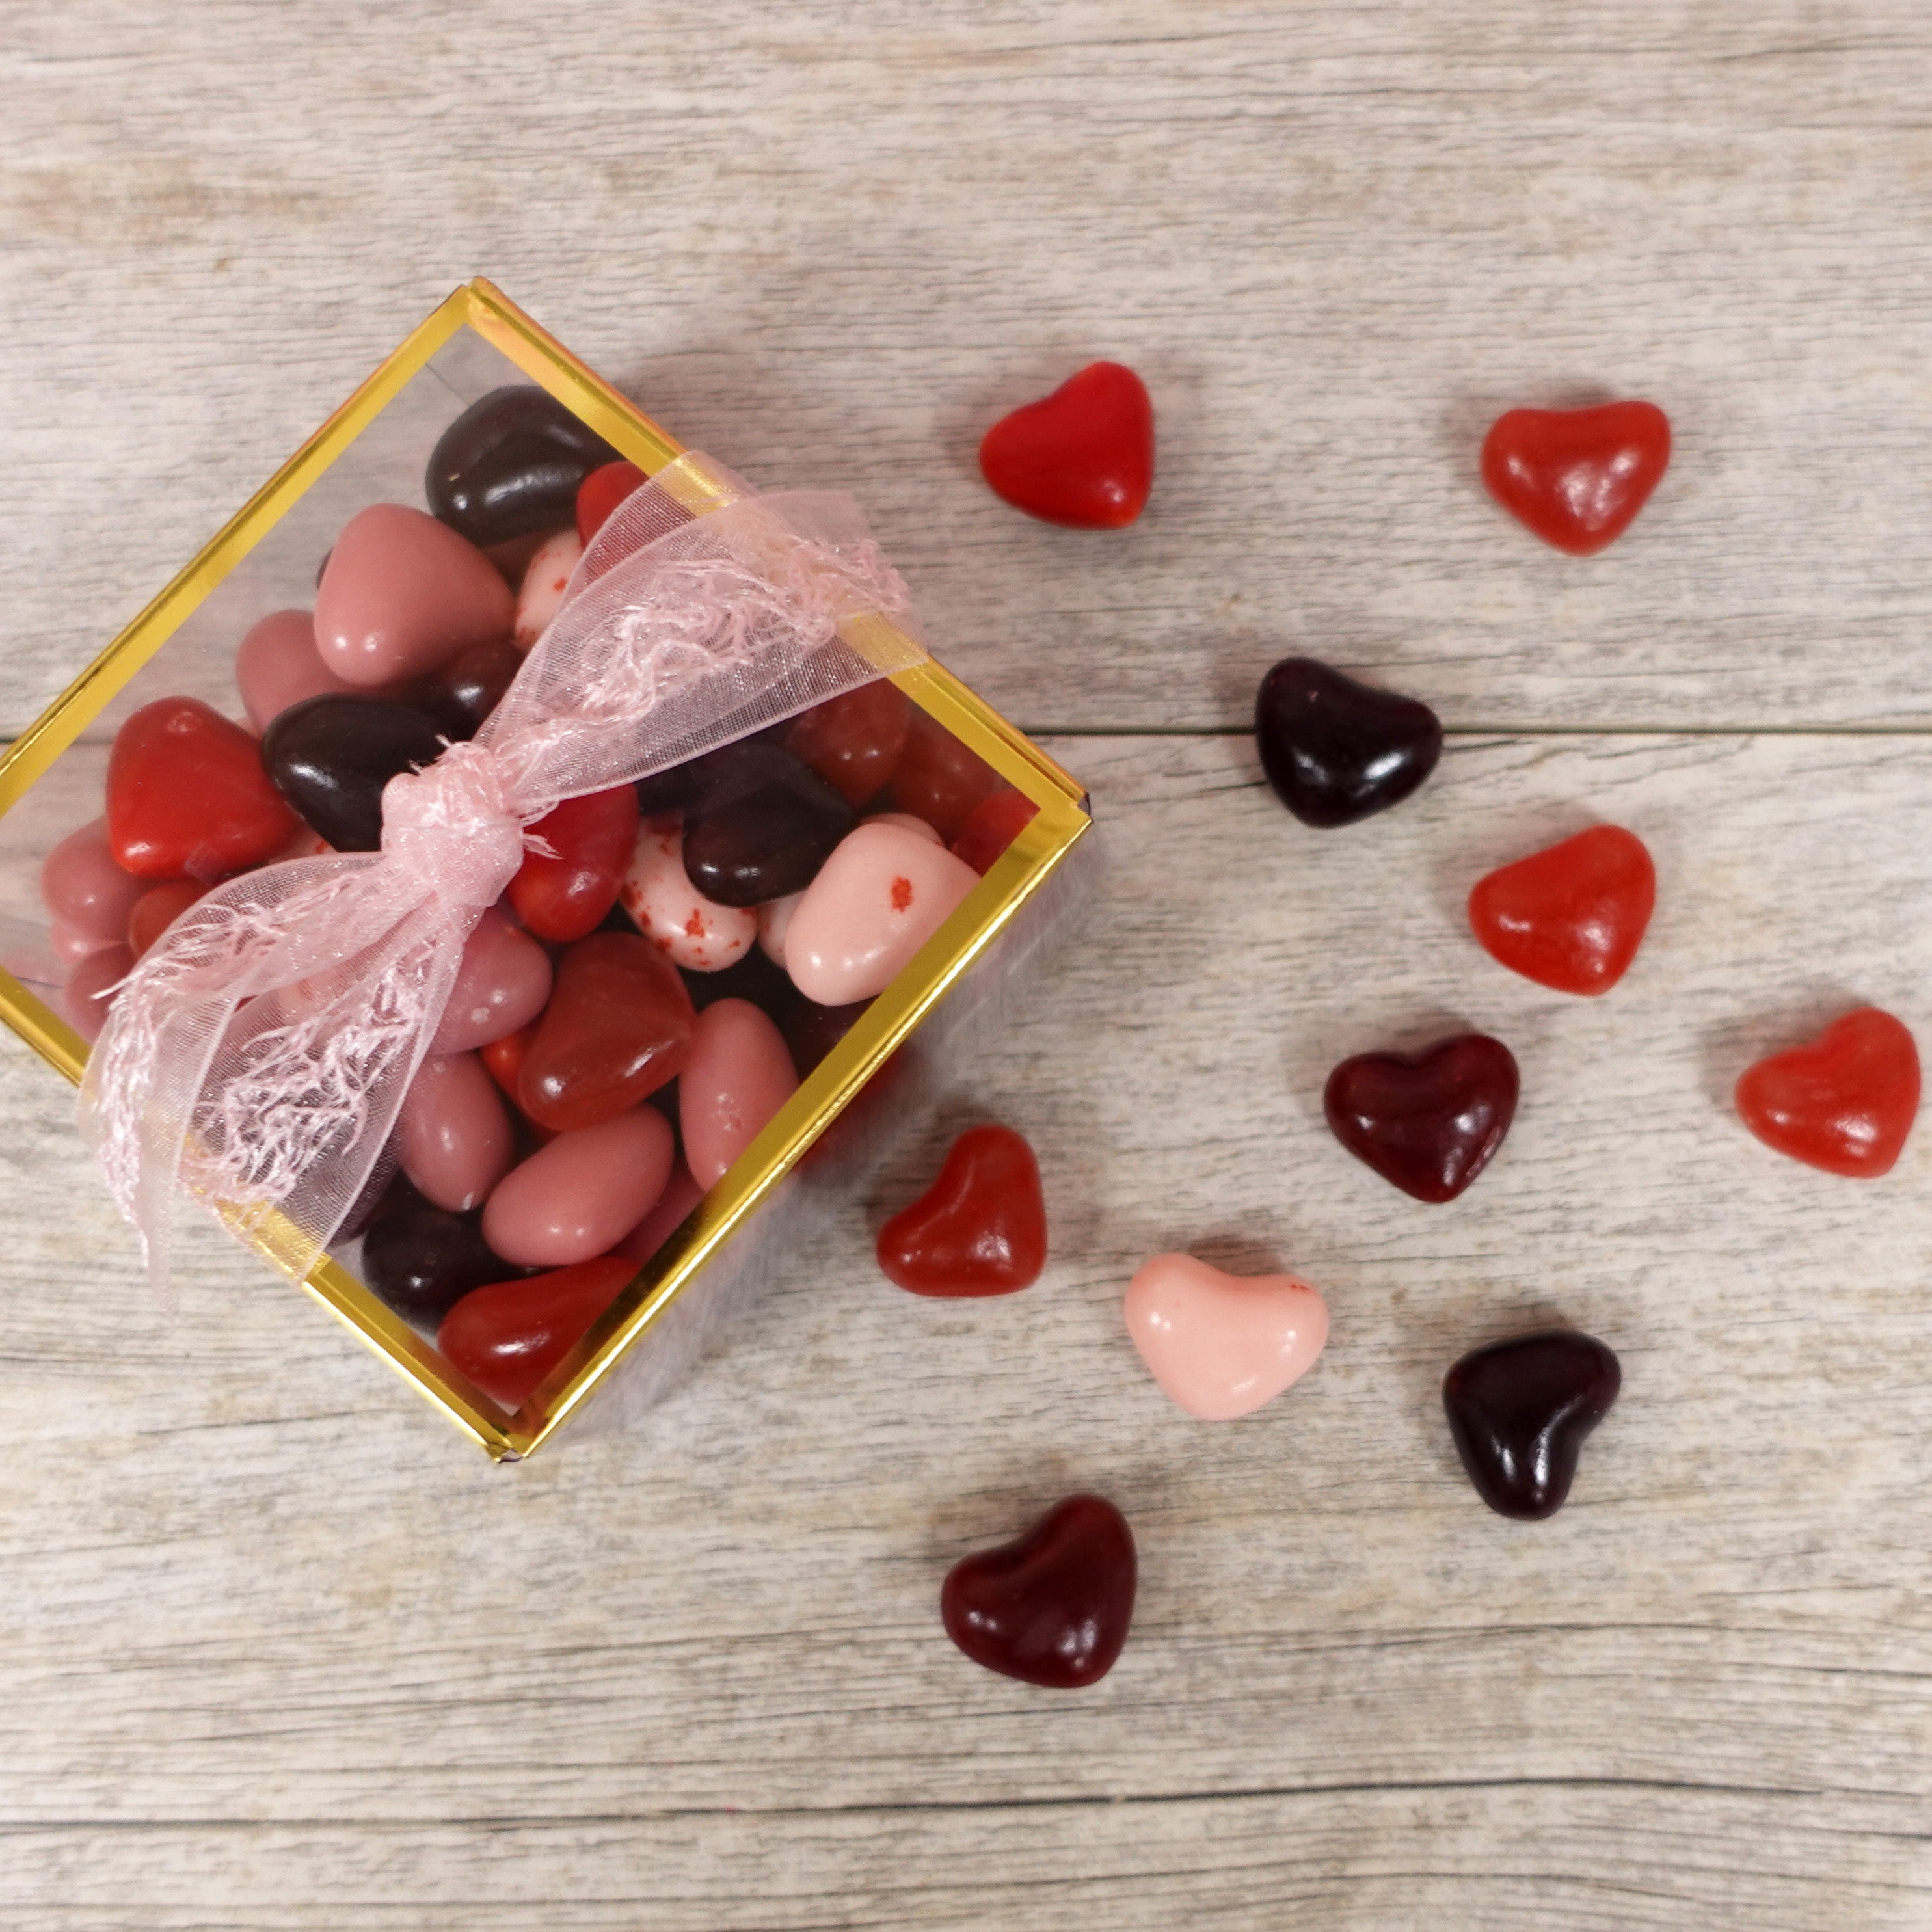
{"x": 693, "y": 926}
{"x": 902, "y": 894}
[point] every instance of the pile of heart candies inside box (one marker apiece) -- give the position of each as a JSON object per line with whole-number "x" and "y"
{"x": 681, "y": 952}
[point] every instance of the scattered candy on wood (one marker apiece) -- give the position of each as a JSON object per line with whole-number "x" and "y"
{"x": 1570, "y": 917}
{"x": 511, "y": 465}
{"x": 507, "y": 1337}
{"x": 879, "y": 897}
{"x": 1845, "y": 1102}
{"x": 1519, "y": 1410}
{"x": 453, "y": 1135}
{"x": 564, "y": 894}
{"x": 501, "y": 986}
{"x": 1221, "y": 1345}
{"x": 1577, "y": 477}
{"x": 1053, "y": 1606}
{"x": 330, "y": 757}
{"x": 696, "y": 932}
{"x": 738, "y": 1076}
{"x": 402, "y": 594}
{"x": 540, "y": 594}
{"x": 1082, "y": 457}
{"x": 1335, "y": 750}
{"x": 619, "y": 1026}
{"x": 979, "y": 1229}
{"x": 1428, "y": 1122}
{"x": 188, "y": 798}
{"x": 581, "y": 1195}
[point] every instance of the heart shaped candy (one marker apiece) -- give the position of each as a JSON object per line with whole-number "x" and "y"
{"x": 1428, "y": 1122}
{"x": 1519, "y": 1410}
{"x": 188, "y": 798}
{"x": 1845, "y": 1102}
{"x": 1082, "y": 457}
{"x": 1052, "y": 1606}
{"x": 1576, "y": 477}
{"x": 1221, "y": 1345}
{"x": 1335, "y": 750}
{"x": 979, "y": 1229}
{"x": 1572, "y": 916}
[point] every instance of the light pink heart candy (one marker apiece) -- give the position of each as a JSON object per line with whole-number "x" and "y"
{"x": 401, "y": 594}
{"x": 1221, "y": 1345}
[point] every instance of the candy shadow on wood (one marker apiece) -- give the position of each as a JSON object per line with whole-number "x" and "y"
{"x": 1757, "y": 1032}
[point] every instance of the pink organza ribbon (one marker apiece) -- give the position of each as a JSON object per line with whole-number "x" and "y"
{"x": 258, "y": 1055}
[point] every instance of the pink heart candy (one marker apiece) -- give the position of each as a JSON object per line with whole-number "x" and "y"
{"x": 1221, "y": 1345}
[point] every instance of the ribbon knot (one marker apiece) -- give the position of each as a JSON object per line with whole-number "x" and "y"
{"x": 450, "y": 827}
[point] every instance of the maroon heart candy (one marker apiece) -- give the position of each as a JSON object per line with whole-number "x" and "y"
{"x": 1427, "y": 1122}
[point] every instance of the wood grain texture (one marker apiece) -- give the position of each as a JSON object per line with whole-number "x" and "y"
{"x": 283, "y": 1652}
{"x": 836, "y": 240}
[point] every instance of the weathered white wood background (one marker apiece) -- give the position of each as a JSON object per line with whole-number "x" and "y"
{"x": 280, "y": 1651}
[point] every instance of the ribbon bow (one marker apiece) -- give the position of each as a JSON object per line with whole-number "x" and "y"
{"x": 259, "y": 1053}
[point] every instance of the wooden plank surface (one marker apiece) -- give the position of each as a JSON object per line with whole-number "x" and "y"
{"x": 286, "y": 1653}
{"x": 283, "y": 1652}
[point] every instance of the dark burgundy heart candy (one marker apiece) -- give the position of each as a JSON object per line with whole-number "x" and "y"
{"x": 422, "y": 1260}
{"x": 1427, "y": 1122}
{"x": 1051, "y": 1607}
{"x": 1519, "y": 1410}
{"x": 1335, "y": 750}
{"x": 511, "y": 465}
{"x": 330, "y": 757}
{"x": 762, "y": 824}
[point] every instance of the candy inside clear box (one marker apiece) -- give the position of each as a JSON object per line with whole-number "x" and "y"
{"x": 864, "y": 1093}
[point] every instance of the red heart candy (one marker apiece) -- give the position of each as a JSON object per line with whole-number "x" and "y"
{"x": 1051, "y": 1607}
{"x": 1844, "y": 1102}
{"x": 188, "y": 798}
{"x": 1576, "y": 477}
{"x": 507, "y": 1337}
{"x": 600, "y": 492}
{"x": 1083, "y": 456}
{"x": 979, "y": 1229}
{"x": 1571, "y": 917}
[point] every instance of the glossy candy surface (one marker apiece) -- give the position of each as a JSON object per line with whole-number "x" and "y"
{"x": 619, "y": 1026}
{"x": 510, "y": 464}
{"x": 681, "y": 1195}
{"x": 464, "y": 691}
{"x": 738, "y": 1074}
{"x": 277, "y": 664}
{"x": 508, "y": 1336}
{"x": 853, "y": 741}
{"x": 880, "y": 897}
{"x": 1335, "y": 750}
{"x": 188, "y": 798}
{"x": 158, "y": 909}
{"x": 501, "y": 986}
{"x": 580, "y": 1195}
{"x": 402, "y": 594}
{"x": 1570, "y": 917}
{"x": 1519, "y": 1410}
{"x": 696, "y": 932}
{"x": 82, "y": 888}
{"x": 85, "y": 999}
{"x": 992, "y": 825}
{"x": 1577, "y": 477}
{"x": 1053, "y": 1606}
{"x": 1221, "y": 1345}
{"x": 422, "y": 1259}
{"x": 761, "y": 826}
{"x": 566, "y": 897}
{"x": 1082, "y": 457}
{"x": 600, "y": 492}
{"x": 453, "y": 1134}
{"x": 979, "y": 1229}
{"x": 1845, "y": 1102}
{"x": 1430, "y": 1122}
{"x": 938, "y": 779}
{"x": 330, "y": 757}
{"x": 540, "y": 594}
